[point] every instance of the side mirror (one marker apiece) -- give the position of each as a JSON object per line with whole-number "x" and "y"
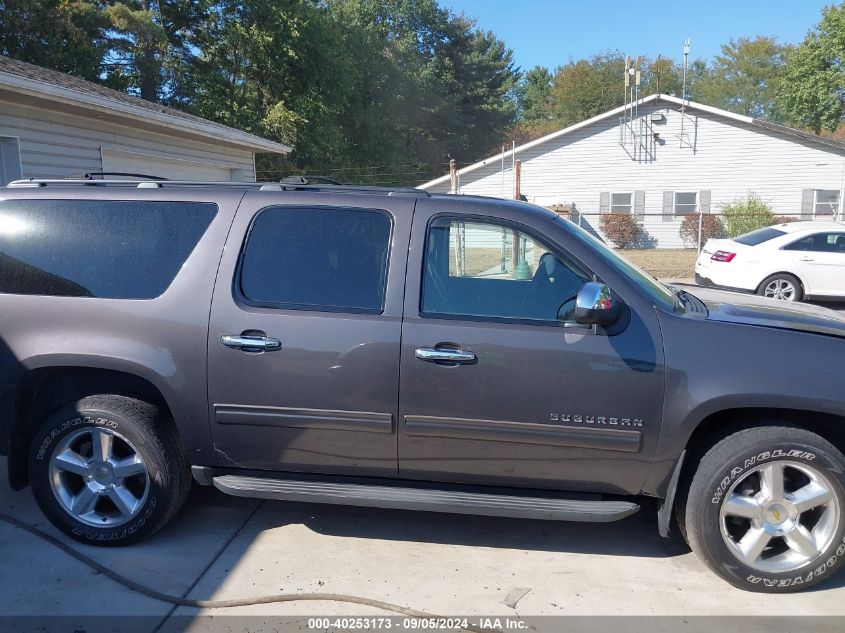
{"x": 596, "y": 306}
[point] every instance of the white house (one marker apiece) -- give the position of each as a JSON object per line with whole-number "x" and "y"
{"x": 53, "y": 125}
{"x": 666, "y": 159}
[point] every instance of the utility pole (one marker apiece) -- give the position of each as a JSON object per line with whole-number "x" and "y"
{"x": 521, "y": 268}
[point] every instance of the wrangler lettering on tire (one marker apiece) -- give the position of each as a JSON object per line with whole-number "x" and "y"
{"x": 765, "y": 509}
{"x": 108, "y": 469}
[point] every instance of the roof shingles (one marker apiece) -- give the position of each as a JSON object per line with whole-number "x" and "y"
{"x": 89, "y": 88}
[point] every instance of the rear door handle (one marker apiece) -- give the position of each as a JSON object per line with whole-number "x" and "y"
{"x": 435, "y": 354}
{"x": 806, "y": 259}
{"x": 250, "y": 343}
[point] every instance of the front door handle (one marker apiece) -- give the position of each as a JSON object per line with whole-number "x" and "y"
{"x": 439, "y": 354}
{"x": 251, "y": 343}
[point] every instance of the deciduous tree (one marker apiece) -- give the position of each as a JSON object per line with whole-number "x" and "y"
{"x": 812, "y": 93}
{"x": 744, "y": 78}
{"x": 584, "y": 88}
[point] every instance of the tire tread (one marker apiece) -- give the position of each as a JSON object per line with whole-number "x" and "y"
{"x": 714, "y": 460}
{"x": 157, "y": 429}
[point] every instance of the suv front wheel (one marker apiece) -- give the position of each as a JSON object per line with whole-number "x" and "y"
{"x": 765, "y": 509}
{"x": 108, "y": 470}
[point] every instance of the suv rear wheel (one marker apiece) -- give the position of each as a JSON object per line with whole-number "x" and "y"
{"x": 108, "y": 470}
{"x": 765, "y": 509}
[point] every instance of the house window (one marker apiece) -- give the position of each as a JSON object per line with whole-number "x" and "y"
{"x": 826, "y": 202}
{"x": 686, "y": 202}
{"x": 10, "y": 159}
{"x": 620, "y": 202}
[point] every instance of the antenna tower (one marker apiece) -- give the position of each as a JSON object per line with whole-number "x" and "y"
{"x": 635, "y": 133}
{"x": 689, "y": 125}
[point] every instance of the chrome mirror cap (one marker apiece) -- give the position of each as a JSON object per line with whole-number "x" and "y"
{"x": 596, "y": 305}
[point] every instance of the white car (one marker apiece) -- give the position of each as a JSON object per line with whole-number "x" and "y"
{"x": 792, "y": 262}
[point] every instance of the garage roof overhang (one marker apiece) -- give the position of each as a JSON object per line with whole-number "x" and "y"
{"x": 99, "y": 106}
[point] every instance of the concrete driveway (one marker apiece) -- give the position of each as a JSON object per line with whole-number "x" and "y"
{"x": 224, "y": 547}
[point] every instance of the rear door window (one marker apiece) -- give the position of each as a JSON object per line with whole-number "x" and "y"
{"x": 317, "y": 258}
{"x": 113, "y": 249}
{"x": 820, "y": 243}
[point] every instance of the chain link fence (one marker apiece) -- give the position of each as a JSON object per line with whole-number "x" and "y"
{"x": 667, "y": 245}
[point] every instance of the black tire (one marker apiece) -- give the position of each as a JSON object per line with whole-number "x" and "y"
{"x": 152, "y": 436}
{"x": 792, "y": 279}
{"x": 733, "y": 462}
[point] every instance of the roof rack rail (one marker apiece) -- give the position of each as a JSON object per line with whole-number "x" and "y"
{"x": 261, "y": 186}
{"x": 307, "y": 180}
{"x": 90, "y": 175}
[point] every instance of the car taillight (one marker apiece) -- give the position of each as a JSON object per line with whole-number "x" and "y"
{"x": 722, "y": 256}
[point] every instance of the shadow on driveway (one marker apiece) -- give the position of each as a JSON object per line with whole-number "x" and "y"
{"x": 635, "y": 536}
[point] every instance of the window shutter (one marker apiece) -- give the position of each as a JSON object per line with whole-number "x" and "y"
{"x": 704, "y": 201}
{"x": 604, "y": 202}
{"x": 668, "y": 205}
{"x": 639, "y": 205}
{"x": 808, "y": 198}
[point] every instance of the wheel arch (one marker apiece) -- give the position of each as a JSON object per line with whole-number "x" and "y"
{"x": 800, "y": 279}
{"x": 45, "y": 389}
{"x": 719, "y": 424}
{"x": 715, "y": 419}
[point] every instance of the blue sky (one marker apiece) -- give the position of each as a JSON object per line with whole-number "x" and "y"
{"x": 550, "y": 32}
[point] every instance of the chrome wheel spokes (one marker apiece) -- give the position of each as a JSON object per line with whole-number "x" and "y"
{"x": 780, "y": 289}
{"x": 99, "y": 477}
{"x": 779, "y": 516}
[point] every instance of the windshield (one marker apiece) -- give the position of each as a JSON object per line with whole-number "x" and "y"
{"x": 659, "y": 292}
{"x": 759, "y": 236}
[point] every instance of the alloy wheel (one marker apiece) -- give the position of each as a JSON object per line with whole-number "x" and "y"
{"x": 779, "y": 516}
{"x": 99, "y": 477}
{"x": 782, "y": 289}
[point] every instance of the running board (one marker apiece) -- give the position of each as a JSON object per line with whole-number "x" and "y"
{"x": 457, "y": 502}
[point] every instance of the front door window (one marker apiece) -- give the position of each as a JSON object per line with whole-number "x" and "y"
{"x": 485, "y": 270}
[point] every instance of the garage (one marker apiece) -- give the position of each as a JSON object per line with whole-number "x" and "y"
{"x": 54, "y": 125}
{"x": 122, "y": 162}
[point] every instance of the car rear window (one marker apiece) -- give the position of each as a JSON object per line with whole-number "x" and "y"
{"x": 115, "y": 249}
{"x": 759, "y": 236}
{"x": 317, "y": 258}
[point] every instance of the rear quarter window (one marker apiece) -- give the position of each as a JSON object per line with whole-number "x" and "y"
{"x": 759, "y": 236}
{"x": 111, "y": 249}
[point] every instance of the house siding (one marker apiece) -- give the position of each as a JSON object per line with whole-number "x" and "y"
{"x": 730, "y": 160}
{"x": 55, "y": 144}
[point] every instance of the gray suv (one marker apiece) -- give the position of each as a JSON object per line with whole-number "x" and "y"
{"x": 396, "y": 349}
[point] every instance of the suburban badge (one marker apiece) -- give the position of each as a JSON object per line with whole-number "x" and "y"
{"x": 596, "y": 420}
